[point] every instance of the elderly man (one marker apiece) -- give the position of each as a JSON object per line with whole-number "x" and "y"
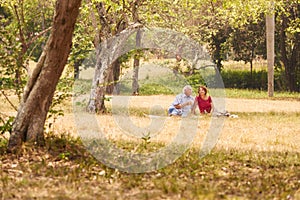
{"x": 183, "y": 102}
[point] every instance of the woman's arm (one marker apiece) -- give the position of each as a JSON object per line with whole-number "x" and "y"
{"x": 193, "y": 111}
{"x": 212, "y": 105}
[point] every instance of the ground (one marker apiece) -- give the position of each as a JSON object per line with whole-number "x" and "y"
{"x": 256, "y": 157}
{"x": 261, "y": 124}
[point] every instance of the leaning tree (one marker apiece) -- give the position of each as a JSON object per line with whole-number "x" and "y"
{"x": 28, "y": 125}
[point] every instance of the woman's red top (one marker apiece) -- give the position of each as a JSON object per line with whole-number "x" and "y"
{"x": 204, "y": 105}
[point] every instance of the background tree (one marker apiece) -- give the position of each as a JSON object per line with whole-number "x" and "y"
{"x": 84, "y": 40}
{"x": 218, "y": 31}
{"x": 270, "y": 40}
{"x": 25, "y": 26}
{"x": 288, "y": 32}
{"x": 248, "y": 40}
{"x": 136, "y": 61}
{"x": 114, "y": 17}
{"x": 29, "y": 123}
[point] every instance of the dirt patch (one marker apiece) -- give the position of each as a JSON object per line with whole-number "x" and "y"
{"x": 261, "y": 105}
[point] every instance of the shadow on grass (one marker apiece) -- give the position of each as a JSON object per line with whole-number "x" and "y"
{"x": 63, "y": 169}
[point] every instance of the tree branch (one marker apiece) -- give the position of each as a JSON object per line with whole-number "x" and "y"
{"x": 7, "y": 99}
{"x": 21, "y": 33}
{"x": 38, "y": 35}
{"x": 34, "y": 76}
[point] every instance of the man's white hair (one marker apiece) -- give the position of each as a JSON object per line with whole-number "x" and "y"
{"x": 186, "y": 87}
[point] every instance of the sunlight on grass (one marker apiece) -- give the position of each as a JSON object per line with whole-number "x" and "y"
{"x": 256, "y": 157}
{"x": 259, "y": 94}
{"x": 240, "y": 65}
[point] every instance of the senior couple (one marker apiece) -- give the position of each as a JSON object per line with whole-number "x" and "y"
{"x": 185, "y": 103}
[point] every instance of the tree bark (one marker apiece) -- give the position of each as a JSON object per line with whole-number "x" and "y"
{"x": 136, "y": 65}
{"x": 77, "y": 64}
{"x": 28, "y": 125}
{"x": 107, "y": 53}
{"x": 135, "y": 77}
{"x": 103, "y": 73}
{"x": 270, "y": 35}
{"x": 136, "y": 61}
{"x": 113, "y": 78}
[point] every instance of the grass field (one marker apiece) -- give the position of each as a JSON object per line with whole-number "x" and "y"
{"x": 257, "y": 156}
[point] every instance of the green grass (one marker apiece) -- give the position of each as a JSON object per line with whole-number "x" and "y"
{"x": 83, "y": 86}
{"x": 259, "y": 94}
{"x": 65, "y": 170}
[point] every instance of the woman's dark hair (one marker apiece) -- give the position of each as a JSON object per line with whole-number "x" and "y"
{"x": 204, "y": 88}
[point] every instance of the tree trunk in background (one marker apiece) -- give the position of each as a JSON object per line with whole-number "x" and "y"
{"x": 135, "y": 77}
{"x": 136, "y": 65}
{"x": 104, "y": 73}
{"x": 97, "y": 96}
{"x": 251, "y": 73}
{"x": 136, "y": 62}
{"x": 108, "y": 51}
{"x": 289, "y": 57}
{"x": 77, "y": 69}
{"x": 270, "y": 34}
{"x": 113, "y": 78}
{"x": 29, "y": 123}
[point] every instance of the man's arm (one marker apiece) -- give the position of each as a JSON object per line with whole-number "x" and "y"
{"x": 182, "y": 105}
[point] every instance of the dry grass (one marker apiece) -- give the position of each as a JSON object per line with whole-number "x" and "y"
{"x": 258, "y": 64}
{"x": 263, "y": 125}
{"x": 256, "y": 157}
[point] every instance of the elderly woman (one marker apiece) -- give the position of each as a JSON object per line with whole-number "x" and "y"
{"x": 182, "y": 103}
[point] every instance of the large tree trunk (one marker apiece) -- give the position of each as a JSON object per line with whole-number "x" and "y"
{"x": 29, "y": 123}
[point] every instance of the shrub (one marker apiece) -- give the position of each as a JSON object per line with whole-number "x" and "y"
{"x": 240, "y": 79}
